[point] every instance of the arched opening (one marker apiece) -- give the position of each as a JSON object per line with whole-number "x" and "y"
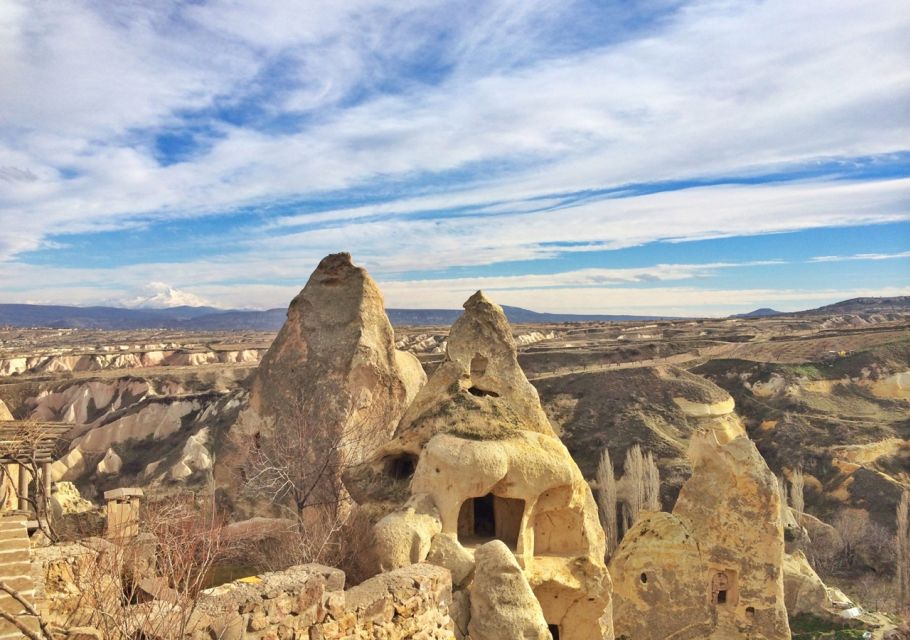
{"x": 554, "y": 630}
{"x": 644, "y": 578}
{"x": 723, "y": 587}
{"x": 490, "y": 517}
{"x": 401, "y": 467}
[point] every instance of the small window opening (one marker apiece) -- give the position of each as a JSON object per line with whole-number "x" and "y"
{"x": 644, "y": 578}
{"x": 720, "y": 585}
{"x": 750, "y": 611}
{"x": 401, "y": 467}
{"x": 481, "y": 393}
{"x": 554, "y": 630}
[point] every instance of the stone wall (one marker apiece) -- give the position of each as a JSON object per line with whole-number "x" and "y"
{"x": 15, "y": 573}
{"x": 309, "y": 602}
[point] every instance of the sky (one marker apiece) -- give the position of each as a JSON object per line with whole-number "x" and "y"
{"x": 663, "y": 157}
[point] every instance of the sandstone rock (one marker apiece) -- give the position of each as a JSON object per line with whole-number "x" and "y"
{"x": 476, "y": 444}
{"x": 733, "y": 507}
{"x": 405, "y": 536}
{"x": 503, "y": 606}
{"x": 333, "y": 371}
{"x": 658, "y": 582}
{"x": 804, "y": 590}
{"x": 714, "y": 567}
{"x": 110, "y": 464}
{"x": 5, "y": 413}
{"x": 194, "y": 457}
{"x": 65, "y": 500}
{"x": 446, "y": 552}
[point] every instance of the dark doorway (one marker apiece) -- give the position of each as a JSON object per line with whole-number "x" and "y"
{"x": 484, "y": 517}
{"x": 487, "y": 517}
{"x": 401, "y": 467}
{"x": 722, "y": 596}
{"x": 554, "y": 630}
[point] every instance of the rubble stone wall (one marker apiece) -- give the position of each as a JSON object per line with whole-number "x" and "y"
{"x": 309, "y": 602}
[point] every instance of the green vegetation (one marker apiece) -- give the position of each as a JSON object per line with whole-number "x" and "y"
{"x": 809, "y": 627}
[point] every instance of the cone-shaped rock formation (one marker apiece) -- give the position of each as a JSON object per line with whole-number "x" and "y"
{"x": 477, "y": 460}
{"x": 332, "y": 386}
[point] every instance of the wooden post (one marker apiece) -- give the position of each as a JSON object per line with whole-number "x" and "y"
{"x": 23, "y": 487}
{"x": 46, "y": 480}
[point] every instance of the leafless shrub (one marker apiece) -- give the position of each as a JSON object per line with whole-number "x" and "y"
{"x": 859, "y": 545}
{"x": 148, "y": 586}
{"x": 606, "y": 500}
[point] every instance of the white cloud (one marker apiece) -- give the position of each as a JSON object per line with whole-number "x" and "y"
{"x": 720, "y": 88}
{"x": 862, "y": 256}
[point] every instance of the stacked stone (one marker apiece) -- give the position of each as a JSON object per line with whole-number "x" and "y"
{"x": 309, "y": 602}
{"x": 16, "y": 574}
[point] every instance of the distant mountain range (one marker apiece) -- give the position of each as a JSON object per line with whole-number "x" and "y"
{"x": 764, "y": 312}
{"x": 212, "y": 319}
{"x": 863, "y": 305}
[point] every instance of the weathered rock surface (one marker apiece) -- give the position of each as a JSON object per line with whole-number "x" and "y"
{"x": 5, "y": 413}
{"x": 503, "y": 606}
{"x": 733, "y": 507}
{"x": 714, "y": 568}
{"x": 332, "y": 379}
{"x": 659, "y": 582}
{"x": 476, "y": 444}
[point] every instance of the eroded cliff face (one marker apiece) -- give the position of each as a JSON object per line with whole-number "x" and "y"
{"x": 332, "y": 385}
{"x": 474, "y": 460}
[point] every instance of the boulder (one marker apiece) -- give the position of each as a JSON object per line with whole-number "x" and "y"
{"x": 503, "y": 606}
{"x": 405, "y": 536}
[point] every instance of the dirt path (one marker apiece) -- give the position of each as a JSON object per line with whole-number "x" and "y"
{"x": 677, "y": 359}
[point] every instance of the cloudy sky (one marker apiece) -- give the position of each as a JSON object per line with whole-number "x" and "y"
{"x": 656, "y": 156}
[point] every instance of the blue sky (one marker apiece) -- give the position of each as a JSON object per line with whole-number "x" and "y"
{"x": 661, "y": 156}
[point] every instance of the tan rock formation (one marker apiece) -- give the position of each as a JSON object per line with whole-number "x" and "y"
{"x": 503, "y": 606}
{"x": 476, "y": 445}
{"x": 331, "y": 384}
{"x": 714, "y": 568}
{"x": 659, "y": 582}
{"x": 5, "y": 413}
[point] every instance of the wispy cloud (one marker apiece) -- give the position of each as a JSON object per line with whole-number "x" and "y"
{"x": 430, "y": 136}
{"x": 862, "y": 256}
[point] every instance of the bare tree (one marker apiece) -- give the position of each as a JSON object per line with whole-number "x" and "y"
{"x": 640, "y": 485}
{"x": 797, "y": 487}
{"x": 784, "y": 500}
{"x": 606, "y": 499}
{"x": 902, "y": 549}
{"x": 651, "y": 501}
{"x": 300, "y": 472}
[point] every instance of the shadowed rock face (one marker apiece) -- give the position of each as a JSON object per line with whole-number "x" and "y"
{"x": 332, "y": 380}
